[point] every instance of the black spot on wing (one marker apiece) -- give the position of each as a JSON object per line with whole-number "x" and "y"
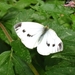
{"x": 47, "y": 44}
{"x": 53, "y": 45}
{"x": 23, "y": 31}
{"x": 29, "y": 35}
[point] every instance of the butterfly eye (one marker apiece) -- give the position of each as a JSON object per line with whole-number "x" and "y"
{"x": 23, "y": 31}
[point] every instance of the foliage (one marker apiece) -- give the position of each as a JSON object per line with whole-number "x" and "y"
{"x": 15, "y": 58}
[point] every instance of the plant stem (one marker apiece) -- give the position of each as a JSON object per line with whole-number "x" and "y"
{"x": 33, "y": 69}
{"x": 6, "y": 33}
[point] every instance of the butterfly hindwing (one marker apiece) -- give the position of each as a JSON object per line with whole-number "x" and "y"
{"x": 50, "y": 43}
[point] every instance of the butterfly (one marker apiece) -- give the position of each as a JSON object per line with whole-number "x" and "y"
{"x": 34, "y": 35}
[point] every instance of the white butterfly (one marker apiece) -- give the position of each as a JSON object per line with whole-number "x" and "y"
{"x": 36, "y": 35}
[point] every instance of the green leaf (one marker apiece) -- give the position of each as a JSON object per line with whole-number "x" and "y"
{"x": 11, "y": 12}
{"x": 23, "y": 3}
{"x": 10, "y": 64}
{"x": 21, "y": 51}
{"x": 3, "y": 8}
{"x": 6, "y": 65}
{"x": 21, "y": 67}
{"x": 4, "y": 56}
{"x": 25, "y": 15}
{"x": 62, "y": 68}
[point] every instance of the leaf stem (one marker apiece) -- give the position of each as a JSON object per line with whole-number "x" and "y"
{"x": 6, "y": 33}
{"x": 33, "y": 69}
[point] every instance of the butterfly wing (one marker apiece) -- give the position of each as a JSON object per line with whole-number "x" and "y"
{"x": 50, "y": 43}
{"x": 29, "y": 33}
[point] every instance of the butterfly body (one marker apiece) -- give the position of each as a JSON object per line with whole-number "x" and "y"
{"x": 36, "y": 35}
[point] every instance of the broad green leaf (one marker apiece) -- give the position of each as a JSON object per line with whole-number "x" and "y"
{"x": 57, "y": 8}
{"x": 24, "y": 3}
{"x": 10, "y": 14}
{"x": 25, "y": 15}
{"x": 10, "y": 64}
{"x": 4, "y": 56}
{"x": 6, "y": 65}
{"x": 3, "y": 8}
{"x": 21, "y": 67}
{"x": 21, "y": 51}
{"x": 37, "y": 15}
{"x": 61, "y": 68}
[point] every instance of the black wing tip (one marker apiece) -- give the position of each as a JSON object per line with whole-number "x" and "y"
{"x": 18, "y": 25}
{"x": 60, "y": 46}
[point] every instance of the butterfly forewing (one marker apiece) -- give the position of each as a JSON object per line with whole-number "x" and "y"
{"x": 29, "y": 33}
